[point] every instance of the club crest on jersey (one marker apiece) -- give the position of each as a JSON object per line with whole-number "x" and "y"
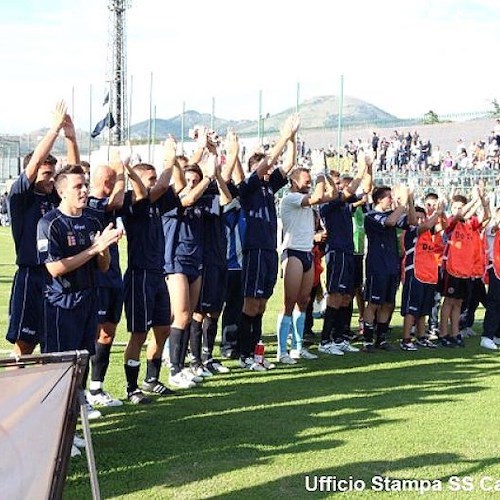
{"x": 71, "y": 239}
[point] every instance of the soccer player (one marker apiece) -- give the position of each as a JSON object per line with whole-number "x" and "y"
{"x": 33, "y": 195}
{"x": 337, "y": 219}
{"x": 382, "y": 263}
{"x": 490, "y": 338}
{"x": 182, "y": 228}
{"x": 106, "y": 196}
{"x": 147, "y": 303}
{"x": 297, "y": 261}
{"x": 73, "y": 246}
{"x": 420, "y": 268}
{"x": 260, "y": 259}
{"x": 462, "y": 259}
{"x": 214, "y": 244}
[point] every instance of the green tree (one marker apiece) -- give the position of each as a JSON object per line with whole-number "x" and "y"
{"x": 496, "y": 108}
{"x": 431, "y": 117}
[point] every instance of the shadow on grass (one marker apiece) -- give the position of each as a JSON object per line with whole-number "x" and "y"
{"x": 364, "y": 473}
{"x": 244, "y": 419}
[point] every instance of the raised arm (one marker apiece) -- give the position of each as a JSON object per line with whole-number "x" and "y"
{"x": 289, "y": 130}
{"x": 232, "y": 149}
{"x": 225, "y": 195}
{"x": 44, "y": 147}
{"x": 318, "y": 194}
{"x": 434, "y": 219}
{"x": 331, "y": 191}
{"x": 354, "y": 184}
{"x": 401, "y": 202}
{"x": 290, "y": 156}
{"x": 116, "y": 197}
{"x": 238, "y": 174}
{"x": 412, "y": 214}
{"x": 169, "y": 160}
{"x": 72, "y": 151}
{"x": 201, "y": 145}
{"x": 367, "y": 182}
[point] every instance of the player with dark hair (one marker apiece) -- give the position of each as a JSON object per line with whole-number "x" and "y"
{"x": 260, "y": 259}
{"x": 382, "y": 263}
{"x": 147, "y": 303}
{"x": 32, "y": 195}
{"x": 337, "y": 220}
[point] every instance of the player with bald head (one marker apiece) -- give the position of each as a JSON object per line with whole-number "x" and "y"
{"x": 106, "y": 196}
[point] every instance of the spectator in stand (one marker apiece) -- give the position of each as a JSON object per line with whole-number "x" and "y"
{"x": 496, "y": 131}
{"x": 375, "y": 143}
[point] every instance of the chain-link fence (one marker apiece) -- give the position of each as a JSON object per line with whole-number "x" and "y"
{"x": 10, "y": 159}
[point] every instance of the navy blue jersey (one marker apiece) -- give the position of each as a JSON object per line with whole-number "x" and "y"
{"x": 235, "y": 226}
{"x": 26, "y": 208}
{"x": 96, "y": 207}
{"x": 214, "y": 234}
{"x": 60, "y": 236}
{"x": 257, "y": 201}
{"x": 337, "y": 219}
{"x": 183, "y": 230}
{"x": 382, "y": 255}
{"x": 409, "y": 242}
{"x": 143, "y": 226}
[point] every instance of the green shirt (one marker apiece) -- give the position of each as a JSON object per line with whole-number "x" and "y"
{"x": 358, "y": 230}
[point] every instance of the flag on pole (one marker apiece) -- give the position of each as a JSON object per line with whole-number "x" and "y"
{"x": 107, "y": 121}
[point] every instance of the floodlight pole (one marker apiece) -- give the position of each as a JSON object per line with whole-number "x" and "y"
{"x": 339, "y": 118}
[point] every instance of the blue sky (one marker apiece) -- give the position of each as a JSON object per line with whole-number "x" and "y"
{"x": 404, "y": 57}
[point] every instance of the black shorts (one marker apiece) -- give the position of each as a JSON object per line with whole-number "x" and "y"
{"x": 147, "y": 302}
{"x": 109, "y": 304}
{"x": 71, "y": 329}
{"x": 339, "y": 272}
{"x": 306, "y": 258}
{"x": 417, "y": 298}
{"x": 213, "y": 289}
{"x": 260, "y": 272}
{"x": 358, "y": 271}
{"x": 381, "y": 288}
{"x": 26, "y": 306}
{"x": 452, "y": 287}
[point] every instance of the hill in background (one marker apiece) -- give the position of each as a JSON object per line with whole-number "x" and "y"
{"x": 318, "y": 112}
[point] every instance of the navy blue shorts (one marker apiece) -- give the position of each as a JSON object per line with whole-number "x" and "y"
{"x": 183, "y": 265}
{"x": 451, "y": 286}
{"x": 358, "y": 271}
{"x": 381, "y": 288}
{"x": 339, "y": 272}
{"x": 417, "y": 298}
{"x": 147, "y": 302}
{"x": 71, "y": 329}
{"x": 260, "y": 272}
{"x": 26, "y": 306}
{"x": 109, "y": 304}
{"x": 213, "y": 289}
{"x": 306, "y": 258}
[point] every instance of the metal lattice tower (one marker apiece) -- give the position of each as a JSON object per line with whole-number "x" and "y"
{"x": 117, "y": 69}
